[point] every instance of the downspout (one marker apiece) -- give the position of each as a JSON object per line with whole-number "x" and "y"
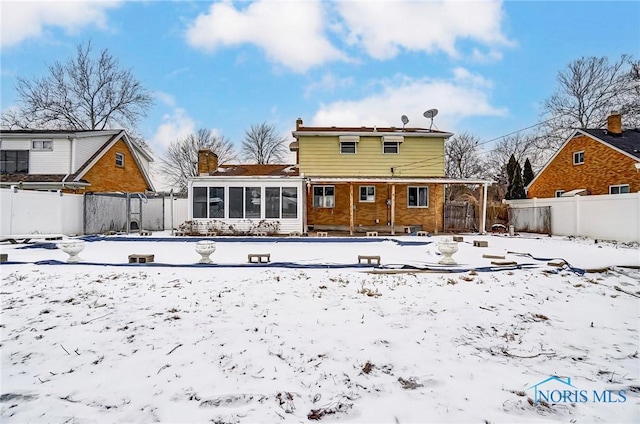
{"x": 485, "y": 188}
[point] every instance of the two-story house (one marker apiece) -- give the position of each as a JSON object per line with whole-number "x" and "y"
{"x": 374, "y": 179}
{"x": 73, "y": 161}
{"x": 592, "y": 161}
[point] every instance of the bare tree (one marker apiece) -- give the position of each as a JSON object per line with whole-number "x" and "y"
{"x": 83, "y": 93}
{"x": 180, "y": 161}
{"x": 262, "y": 144}
{"x": 519, "y": 145}
{"x": 590, "y": 88}
{"x": 463, "y": 157}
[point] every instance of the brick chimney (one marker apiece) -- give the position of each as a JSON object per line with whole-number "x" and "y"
{"x": 614, "y": 123}
{"x": 298, "y": 123}
{"x": 207, "y": 162}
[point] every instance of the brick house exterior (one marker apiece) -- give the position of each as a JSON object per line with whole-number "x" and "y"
{"x": 600, "y": 161}
{"x": 74, "y": 161}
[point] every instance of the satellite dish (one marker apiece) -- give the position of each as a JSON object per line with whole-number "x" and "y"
{"x": 404, "y": 120}
{"x": 429, "y": 114}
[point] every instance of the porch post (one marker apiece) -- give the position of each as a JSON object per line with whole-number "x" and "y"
{"x": 393, "y": 209}
{"x": 483, "y": 222}
{"x": 351, "y": 223}
{"x": 306, "y": 191}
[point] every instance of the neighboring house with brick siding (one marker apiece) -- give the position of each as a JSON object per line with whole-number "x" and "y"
{"x": 74, "y": 161}
{"x": 592, "y": 161}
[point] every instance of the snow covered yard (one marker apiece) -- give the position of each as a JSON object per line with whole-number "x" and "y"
{"x": 84, "y": 343}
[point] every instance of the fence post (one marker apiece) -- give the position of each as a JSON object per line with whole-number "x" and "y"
{"x": 577, "y": 215}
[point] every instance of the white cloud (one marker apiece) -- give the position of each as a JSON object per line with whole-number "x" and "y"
{"x": 175, "y": 126}
{"x": 383, "y": 28}
{"x": 29, "y": 19}
{"x": 463, "y": 95}
{"x": 290, "y": 33}
{"x": 328, "y": 83}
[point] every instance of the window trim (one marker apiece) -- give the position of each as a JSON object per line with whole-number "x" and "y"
{"x": 389, "y": 143}
{"x": 355, "y": 147}
{"x": 121, "y": 165}
{"x": 619, "y": 186}
{"x": 324, "y": 195}
{"x": 577, "y": 155}
{"x": 366, "y": 195}
{"x": 38, "y": 145}
{"x": 418, "y": 206}
{"x": 559, "y": 193}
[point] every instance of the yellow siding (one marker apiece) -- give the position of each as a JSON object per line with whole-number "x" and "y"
{"x": 418, "y": 157}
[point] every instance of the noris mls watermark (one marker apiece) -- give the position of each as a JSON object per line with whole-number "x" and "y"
{"x": 560, "y": 390}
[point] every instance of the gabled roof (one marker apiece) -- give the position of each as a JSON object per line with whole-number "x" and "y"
{"x": 269, "y": 170}
{"x": 112, "y": 136}
{"x": 627, "y": 143}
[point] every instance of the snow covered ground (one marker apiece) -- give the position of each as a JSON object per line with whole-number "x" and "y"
{"x": 106, "y": 343}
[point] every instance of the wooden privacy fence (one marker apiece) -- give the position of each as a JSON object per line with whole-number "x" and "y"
{"x": 459, "y": 216}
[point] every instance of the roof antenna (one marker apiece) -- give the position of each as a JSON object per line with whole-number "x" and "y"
{"x": 429, "y": 114}
{"x": 404, "y": 120}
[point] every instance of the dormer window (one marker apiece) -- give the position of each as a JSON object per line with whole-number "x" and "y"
{"x": 348, "y": 144}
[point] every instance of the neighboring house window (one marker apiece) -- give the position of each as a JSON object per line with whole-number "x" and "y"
{"x": 119, "y": 160}
{"x": 281, "y": 202}
{"x": 199, "y": 202}
{"x": 367, "y": 193}
{"x": 390, "y": 147}
{"x": 619, "y": 189}
{"x": 216, "y": 202}
{"x": 559, "y": 193}
{"x": 418, "y": 197}
{"x": 236, "y": 201}
{"x": 347, "y": 147}
{"x": 578, "y": 158}
{"x": 323, "y": 196}
{"x": 14, "y": 161}
{"x": 46, "y": 145}
{"x": 252, "y": 201}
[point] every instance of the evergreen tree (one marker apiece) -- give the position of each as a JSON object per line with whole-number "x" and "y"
{"x": 527, "y": 174}
{"x": 511, "y": 169}
{"x": 516, "y": 187}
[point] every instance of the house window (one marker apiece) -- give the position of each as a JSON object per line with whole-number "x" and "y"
{"x": 290, "y": 202}
{"x": 391, "y": 147}
{"x": 236, "y": 200}
{"x": 199, "y": 202}
{"x": 619, "y": 189}
{"x": 46, "y": 145}
{"x": 281, "y": 202}
{"x": 559, "y": 193}
{"x": 323, "y": 196}
{"x": 348, "y": 147}
{"x": 216, "y": 202}
{"x": 119, "y": 160}
{"x": 578, "y": 158}
{"x": 14, "y": 161}
{"x": 367, "y": 193}
{"x": 252, "y": 201}
{"x": 418, "y": 197}
{"x": 272, "y": 202}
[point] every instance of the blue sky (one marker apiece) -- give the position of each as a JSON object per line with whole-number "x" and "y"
{"x": 486, "y": 65}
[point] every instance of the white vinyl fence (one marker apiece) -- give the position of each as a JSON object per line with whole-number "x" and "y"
{"x": 606, "y": 217}
{"x": 27, "y": 212}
